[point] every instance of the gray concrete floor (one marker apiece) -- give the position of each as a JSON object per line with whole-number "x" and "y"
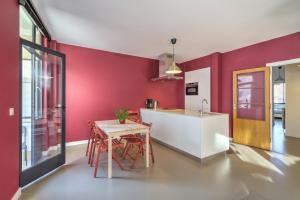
{"x": 245, "y": 173}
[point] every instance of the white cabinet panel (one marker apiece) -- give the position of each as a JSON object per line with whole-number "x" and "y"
{"x": 202, "y": 77}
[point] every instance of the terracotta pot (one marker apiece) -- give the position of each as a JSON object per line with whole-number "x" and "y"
{"x": 122, "y": 121}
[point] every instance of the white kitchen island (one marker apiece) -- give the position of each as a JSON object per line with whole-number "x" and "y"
{"x": 200, "y": 135}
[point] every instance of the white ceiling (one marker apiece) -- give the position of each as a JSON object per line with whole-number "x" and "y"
{"x": 144, "y": 27}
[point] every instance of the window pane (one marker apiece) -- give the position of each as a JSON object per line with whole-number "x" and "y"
{"x": 38, "y": 37}
{"x": 26, "y": 81}
{"x": 26, "y": 25}
{"x": 42, "y": 110}
{"x": 279, "y": 93}
{"x": 26, "y": 105}
{"x": 251, "y": 96}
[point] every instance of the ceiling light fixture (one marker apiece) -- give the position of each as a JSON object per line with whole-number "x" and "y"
{"x": 173, "y": 69}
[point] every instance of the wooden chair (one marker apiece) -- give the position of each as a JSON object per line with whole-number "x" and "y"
{"x": 101, "y": 144}
{"x": 90, "y": 150}
{"x": 139, "y": 141}
{"x": 134, "y": 115}
{"x": 91, "y": 136}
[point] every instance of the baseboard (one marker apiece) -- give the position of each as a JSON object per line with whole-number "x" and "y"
{"x": 176, "y": 149}
{"x": 68, "y": 144}
{"x": 52, "y": 148}
{"x": 45, "y": 153}
{"x": 17, "y": 195}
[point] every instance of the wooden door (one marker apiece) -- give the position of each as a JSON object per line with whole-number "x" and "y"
{"x": 251, "y": 107}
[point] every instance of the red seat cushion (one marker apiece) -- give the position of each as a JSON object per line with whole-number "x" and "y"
{"x": 135, "y": 140}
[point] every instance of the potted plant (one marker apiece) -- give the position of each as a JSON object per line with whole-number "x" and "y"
{"x": 122, "y": 115}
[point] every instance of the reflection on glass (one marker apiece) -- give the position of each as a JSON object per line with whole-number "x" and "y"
{"x": 28, "y": 30}
{"x": 26, "y": 25}
{"x": 251, "y": 96}
{"x": 38, "y": 37}
{"x": 41, "y": 112}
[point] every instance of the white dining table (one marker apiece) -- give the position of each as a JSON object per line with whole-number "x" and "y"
{"x": 113, "y": 129}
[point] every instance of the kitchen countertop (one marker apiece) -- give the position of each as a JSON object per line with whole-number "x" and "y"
{"x": 185, "y": 112}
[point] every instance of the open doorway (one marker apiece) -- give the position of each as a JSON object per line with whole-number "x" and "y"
{"x": 279, "y": 103}
{"x": 286, "y": 110}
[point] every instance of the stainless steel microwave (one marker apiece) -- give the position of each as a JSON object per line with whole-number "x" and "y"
{"x": 191, "y": 88}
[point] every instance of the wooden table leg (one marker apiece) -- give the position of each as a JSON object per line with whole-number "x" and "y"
{"x": 109, "y": 157}
{"x": 147, "y": 148}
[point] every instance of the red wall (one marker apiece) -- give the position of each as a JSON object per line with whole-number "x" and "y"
{"x": 257, "y": 55}
{"x": 9, "y": 90}
{"x": 98, "y": 83}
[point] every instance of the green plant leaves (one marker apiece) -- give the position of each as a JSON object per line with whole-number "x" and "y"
{"x": 122, "y": 114}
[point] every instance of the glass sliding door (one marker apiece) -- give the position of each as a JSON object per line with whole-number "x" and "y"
{"x": 42, "y": 145}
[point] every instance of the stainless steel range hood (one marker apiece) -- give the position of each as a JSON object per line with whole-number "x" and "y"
{"x": 165, "y": 60}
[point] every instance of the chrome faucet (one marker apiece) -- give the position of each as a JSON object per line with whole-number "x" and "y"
{"x": 203, "y": 100}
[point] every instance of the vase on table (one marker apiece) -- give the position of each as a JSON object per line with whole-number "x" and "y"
{"x": 122, "y": 121}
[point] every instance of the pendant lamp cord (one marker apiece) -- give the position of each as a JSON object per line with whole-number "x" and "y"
{"x": 173, "y": 54}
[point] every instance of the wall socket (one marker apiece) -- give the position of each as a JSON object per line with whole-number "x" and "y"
{"x": 11, "y": 111}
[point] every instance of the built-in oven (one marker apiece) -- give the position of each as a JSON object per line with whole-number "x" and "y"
{"x": 191, "y": 88}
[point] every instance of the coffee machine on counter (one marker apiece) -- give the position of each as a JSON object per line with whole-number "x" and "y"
{"x": 151, "y": 104}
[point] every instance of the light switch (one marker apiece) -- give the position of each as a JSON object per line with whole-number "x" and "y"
{"x": 11, "y": 111}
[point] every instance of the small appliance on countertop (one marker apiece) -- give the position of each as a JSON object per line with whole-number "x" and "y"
{"x": 151, "y": 104}
{"x": 155, "y": 104}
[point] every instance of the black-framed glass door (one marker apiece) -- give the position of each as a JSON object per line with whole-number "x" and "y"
{"x": 42, "y": 119}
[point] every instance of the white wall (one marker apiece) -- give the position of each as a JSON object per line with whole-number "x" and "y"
{"x": 202, "y": 76}
{"x": 292, "y": 77}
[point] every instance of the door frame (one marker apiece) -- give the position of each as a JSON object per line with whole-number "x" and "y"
{"x": 44, "y": 167}
{"x": 271, "y": 65}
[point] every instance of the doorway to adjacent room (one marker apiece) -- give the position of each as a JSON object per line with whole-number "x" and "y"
{"x": 285, "y": 84}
